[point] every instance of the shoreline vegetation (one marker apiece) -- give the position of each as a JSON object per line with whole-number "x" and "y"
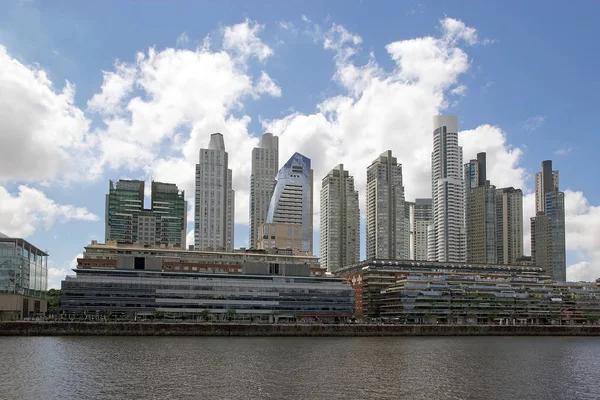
{"x": 53, "y": 328}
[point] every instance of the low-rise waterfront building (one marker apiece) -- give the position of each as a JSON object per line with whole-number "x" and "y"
{"x": 23, "y": 279}
{"x": 143, "y": 281}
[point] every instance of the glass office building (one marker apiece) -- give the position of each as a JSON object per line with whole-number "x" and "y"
{"x": 192, "y": 294}
{"x": 292, "y": 201}
{"x": 23, "y": 278}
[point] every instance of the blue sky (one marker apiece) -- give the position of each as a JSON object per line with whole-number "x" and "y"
{"x": 340, "y": 81}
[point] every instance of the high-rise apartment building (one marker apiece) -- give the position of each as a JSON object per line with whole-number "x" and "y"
{"x": 422, "y": 217}
{"x": 509, "y": 225}
{"x": 127, "y": 221}
{"x": 340, "y": 220}
{"x": 292, "y": 200}
{"x": 215, "y": 198}
{"x": 447, "y": 238}
{"x": 387, "y": 236}
{"x": 480, "y": 215}
{"x": 265, "y": 162}
{"x": 548, "y": 248}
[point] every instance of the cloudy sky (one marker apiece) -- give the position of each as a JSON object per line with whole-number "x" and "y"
{"x": 92, "y": 91}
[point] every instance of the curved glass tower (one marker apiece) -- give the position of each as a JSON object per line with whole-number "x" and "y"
{"x": 292, "y": 200}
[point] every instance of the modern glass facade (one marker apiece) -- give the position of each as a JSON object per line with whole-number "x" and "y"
{"x": 188, "y": 294}
{"x": 292, "y": 201}
{"x": 23, "y": 268}
{"x": 170, "y": 209}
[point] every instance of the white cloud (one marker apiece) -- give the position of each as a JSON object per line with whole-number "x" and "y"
{"x": 533, "y": 123}
{"x": 29, "y": 209}
{"x": 288, "y": 26}
{"x": 563, "y": 152}
{"x": 266, "y": 85}
{"x": 115, "y": 87}
{"x": 243, "y": 39}
{"x": 41, "y": 127}
{"x": 182, "y": 40}
{"x": 454, "y": 29}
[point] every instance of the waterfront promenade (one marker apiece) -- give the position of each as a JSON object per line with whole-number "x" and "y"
{"x": 25, "y": 328}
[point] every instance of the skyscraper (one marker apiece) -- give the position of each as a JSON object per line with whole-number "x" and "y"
{"x": 480, "y": 213}
{"x": 215, "y": 198}
{"x": 447, "y": 239}
{"x": 509, "y": 225}
{"x": 127, "y": 221}
{"x": 265, "y": 161}
{"x": 292, "y": 200}
{"x": 340, "y": 220}
{"x": 386, "y": 228}
{"x": 548, "y": 248}
{"x": 421, "y": 219}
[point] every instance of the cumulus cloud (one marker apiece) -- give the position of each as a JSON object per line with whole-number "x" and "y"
{"x": 41, "y": 126}
{"x": 29, "y": 209}
{"x": 563, "y": 151}
{"x": 243, "y": 40}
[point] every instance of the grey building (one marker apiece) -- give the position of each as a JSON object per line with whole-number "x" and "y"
{"x": 265, "y": 162}
{"x": 509, "y": 225}
{"x": 214, "y": 207}
{"x": 548, "y": 245}
{"x": 422, "y": 217}
{"x": 387, "y": 235}
{"x": 340, "y": 220}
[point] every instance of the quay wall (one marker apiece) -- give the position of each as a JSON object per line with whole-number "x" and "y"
{"x": 26, "y": 328}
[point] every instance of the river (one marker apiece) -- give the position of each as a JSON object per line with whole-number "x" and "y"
{"x": 299, "y": 368}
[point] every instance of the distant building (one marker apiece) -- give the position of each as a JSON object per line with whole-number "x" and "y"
{"x": 127, "y": 221}
{"x": 215, "y": 198}
{"x": 280, "y": 236}
{"x": 509, "y": 225}
{"x": 387, "y": 234}
{"x": 340, "y": 220}
{"x": 447, "y": 236}
{"x": 292, "y": 200}
{"x": 265, "y": 162}
{"x": 480, "y": 215}
{"x": 548, "y": 247}
{"x": 23, "y": 279}
{"x": 422, "y": 217}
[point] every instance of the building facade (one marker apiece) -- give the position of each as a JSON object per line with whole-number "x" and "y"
{"x": 422, "y": 217}
{"x": 23, "y": 279}
{"x": 215, "y": 198}
{"x": 292, "y": 200}
{"x": 387, "y": 235}
{"x": 265, "y": 162}
{"x": 447, "y": 241}
{"x": 340, "y": 220}
{"x": 509, "y": 225}
{"x": 548, "y": 245}
{"x": 480, "y": 213}
{"x": 127, "y": 221}
{"x": 280, "y": 236}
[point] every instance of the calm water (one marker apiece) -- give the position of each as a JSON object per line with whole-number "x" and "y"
{"x": 299, "y": 368}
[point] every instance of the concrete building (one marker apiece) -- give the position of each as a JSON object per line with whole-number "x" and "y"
{"x": 292, "y": 200}
{"x": 280, "y": 236}
{"x": 387, "y": 236}
{"x": 265, "y": 162}
{"x": 23, "y": 279}
{"x": 340, "y": 220}
{"x": 215, "y": 198}
{"x": 128, "y": 221}
{"x": 447, "y": 239}
{"x": 548, "y": 247}
{"x": 509, "y": 225}
{"x": 480, "y": 215}
{"x": 136, "y": 282}
{"x": 421, "y": 217}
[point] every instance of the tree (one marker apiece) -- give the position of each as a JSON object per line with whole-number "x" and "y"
{"x": 205, "y": 314}
{"x": 231, "y": 314}
{"x": 53, "y": 298}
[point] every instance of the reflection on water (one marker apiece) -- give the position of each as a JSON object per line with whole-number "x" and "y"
{"x": 299, "y": 368}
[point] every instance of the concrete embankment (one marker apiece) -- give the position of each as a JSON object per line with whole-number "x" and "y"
{"x": 184, "y": 329}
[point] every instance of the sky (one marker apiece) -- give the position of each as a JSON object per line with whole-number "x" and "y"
{"x": 93, "y": 91}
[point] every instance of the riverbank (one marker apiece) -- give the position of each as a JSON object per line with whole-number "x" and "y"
{"x": 23, "y": 328}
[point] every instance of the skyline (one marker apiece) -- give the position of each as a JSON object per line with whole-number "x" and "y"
{"x": 339, "y": 117}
